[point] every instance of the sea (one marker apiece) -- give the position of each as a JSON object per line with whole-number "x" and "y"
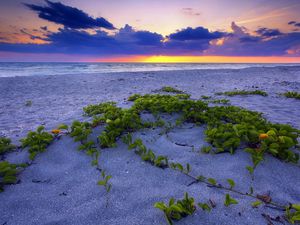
{"x": 15, "y": 69}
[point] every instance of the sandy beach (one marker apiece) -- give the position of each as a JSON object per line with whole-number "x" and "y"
{"x": 67, "y": 190}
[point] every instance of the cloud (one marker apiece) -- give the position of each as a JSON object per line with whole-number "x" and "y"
{"x": 265, "y": 32}
{"x": 70, "y": 40}
{"x": 68, "y": 16}
{"x": 294, "y": 23}
{"x": 197, "y": 33}
{"x": 267, "y": 42}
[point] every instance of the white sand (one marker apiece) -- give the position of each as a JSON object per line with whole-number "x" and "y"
{"x": 69, "y": 194}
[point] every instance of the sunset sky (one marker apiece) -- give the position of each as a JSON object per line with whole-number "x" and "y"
{"x": 150, "y": 31}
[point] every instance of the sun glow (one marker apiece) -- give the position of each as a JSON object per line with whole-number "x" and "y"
{"x": 198, "y": 59}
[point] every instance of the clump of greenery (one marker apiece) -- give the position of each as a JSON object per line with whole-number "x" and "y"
{"x": 37, "y": 141}
{"x": 8, "y": 173}
{"x": 220, "y": 101}
{"x": 118, "y": 121}
{"x": 80, "y": 131}
{"x": 228, "y": 129}
{"x": 292, "y": 213}
{"x": 235, "y": 127}
{"x": 171, "y": 89}
{"x": 93, "y": 110}
{"x": 242, "y": 92}
{"x": 206, "y": 149}
{"x": 291, "y": 94}
{"x": 134, "y": 97}
{"x": 205, "y": 97}
{"x": 177, "y": 210}
{"x": 5, "y": 145}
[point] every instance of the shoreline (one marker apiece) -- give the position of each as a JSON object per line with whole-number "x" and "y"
{"x": 278, "y": 66}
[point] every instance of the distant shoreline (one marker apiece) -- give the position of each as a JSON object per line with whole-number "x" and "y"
{"x": 57, "y": 69}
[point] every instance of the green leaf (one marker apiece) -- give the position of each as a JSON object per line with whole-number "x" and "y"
{"x": 296, "y": 206}
{"x": 179, "y": 166}
{"x": 188, "y": 168}
{"x": 63, "y": 127}
{"x": 256, "y": 204}
{"x": 231, "y": 183}
{"x": 204, "y": 206}
{"x": 201, "y": 178}
{"x": 250, "y": 169}
{"x": 229, "y": 201}
{"x": 160, "y": 205}
{"x": 101, "y": 182}
{"x": 212, "y": 181}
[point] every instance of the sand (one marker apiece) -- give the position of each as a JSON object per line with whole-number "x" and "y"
{"x": 60, "y": 187}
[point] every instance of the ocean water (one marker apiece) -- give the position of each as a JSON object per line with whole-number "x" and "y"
{"x": 14, "y": 69}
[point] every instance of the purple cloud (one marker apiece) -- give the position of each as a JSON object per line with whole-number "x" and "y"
{"x": 69, "y": 16}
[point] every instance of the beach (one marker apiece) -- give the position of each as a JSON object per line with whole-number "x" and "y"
{"x": 67, "y": 191}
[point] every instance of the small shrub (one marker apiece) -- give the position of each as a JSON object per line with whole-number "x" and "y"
{"x": 242, "y": 92}
{"x": 134, "y": 97}
{"x": 5, "y": 145}
{"x": 37, "y": 141}
{"x": 292, "y": 213}
{"x": 8, "y": 173}
{"x": 177, "y": 210}
{"x": 291, "y": 94}
{"x": 171, "y": 89}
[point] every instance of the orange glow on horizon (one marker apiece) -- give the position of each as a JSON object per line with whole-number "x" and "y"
{"x": 203, "y": 59}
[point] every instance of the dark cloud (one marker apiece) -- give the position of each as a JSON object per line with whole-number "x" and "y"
{"x": 265, "y": 32}
{"x": 68, "y": 16}
{"x": 45, "y": 28}
{"x": 197, "y": 33}
{"x": 294, "y": 23}
{"x": 249, "y": 39}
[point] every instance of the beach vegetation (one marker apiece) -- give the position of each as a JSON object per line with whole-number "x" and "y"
{"x": 204, "y": 206}
{"x": 292, "y": 213}
{"x": 229, "y": 200}
{"x": 64, "y": 127}
{"x": 8, "y": 173}
{"x": 171, "y": 89}
{"x": 6, "y": 145}
{"x": 292, "y": 94}
{"x": 205, "y": 97}
{"x": 206, "y": 149}
{"x": 80, "y": 131}
{"x": 231, "y": 183}
{"x": 37, "y": 141}
{"x": 243, "y": 92}
{"x": 220, "y": 101}
{"x": 134, "y": 97}
{"x": 106, "y": 184}
{"x": 176, "y": 210}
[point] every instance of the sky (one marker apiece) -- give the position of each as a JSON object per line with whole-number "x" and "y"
{"x": 150, "y": 31}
